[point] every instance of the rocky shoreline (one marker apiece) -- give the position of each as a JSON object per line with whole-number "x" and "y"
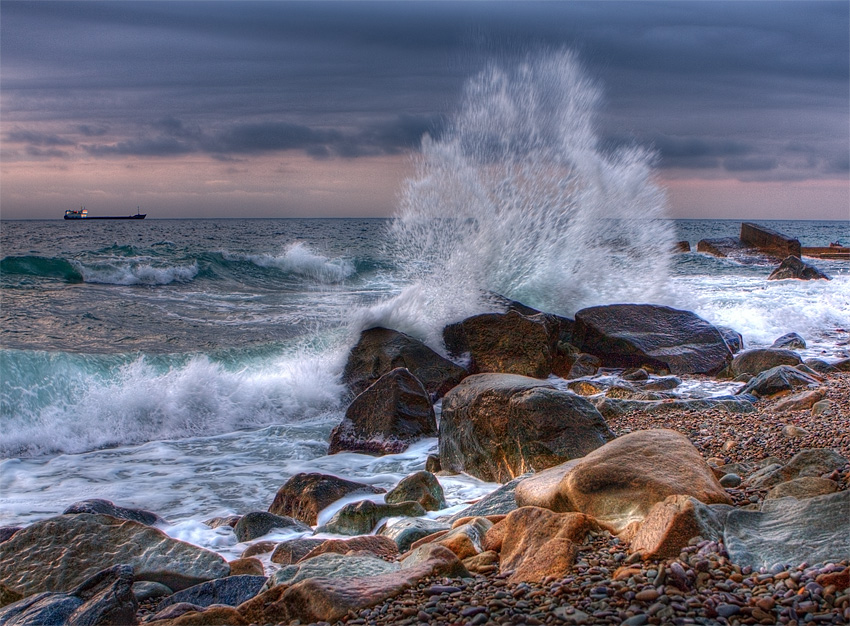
{"x": 624, "y": 501}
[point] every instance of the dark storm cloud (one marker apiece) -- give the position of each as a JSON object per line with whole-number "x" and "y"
{"x": 711, "y": 85}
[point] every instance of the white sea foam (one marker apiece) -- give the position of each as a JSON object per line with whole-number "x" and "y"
{"x": 300, "y": 260}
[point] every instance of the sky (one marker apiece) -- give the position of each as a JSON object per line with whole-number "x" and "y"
{"x": 317, "y": 109}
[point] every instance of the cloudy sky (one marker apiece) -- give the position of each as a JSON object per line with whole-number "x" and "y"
{"x": 289, "y": 109}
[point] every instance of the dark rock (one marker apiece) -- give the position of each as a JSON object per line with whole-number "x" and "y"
{"x": 733, "y": 338}
{"x": 432, "y": 463}
{"x": 635, "y": 374}
{"x": 842, "y": 366}
{"x": 788, "y": 530}
{"x": 360, "y": 518}
{"x": 381, "y": 350}
{"x": 290, "y": 552}
{"x": 258, "y": 523}
{"x": 497, "y": 426}
{"x": 230, "y": 590}
{"x": 105, "y": 599}
{"x": 820, "y": 366}
{"x": 583, "y": 364}
{"x": 758, "y": 360}
{"x": 636, "y": 335}
{"x": 769, "y": 241}
{"x": 614, "y": 407}
{"x": 218, "y": 522}
{"x": 407, "y": 531}
{"x": 422, "y": 487}
{"x": 806, "y": 463}
{"x": 148, "y": 590}
{"x": 174, "y": 611}
{"x": 332, "y": 565}
{"x": 6, "y": 532}
{"x": 790, "y": 341}
{"x": 261, "y": 547}
{"x": 304, "y": 495}
{"x": 662, "y": 383}
{"x": 778, "y": 379}
{"x": 498, "y": 502}
{"x": 723, "y": 246}
{"x": 387, "y": 417}
{"x": 793, "y": 267}
{"x": 682, "y": 246}
{"x": 96, "y": 506}
{"x": 509, "y": 343}
{"x": 247, "y": 566}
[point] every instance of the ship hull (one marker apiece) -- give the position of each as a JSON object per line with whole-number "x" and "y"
{"x": 110, "y": 217}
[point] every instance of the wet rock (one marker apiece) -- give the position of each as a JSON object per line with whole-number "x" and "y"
{"x": 59, "y": 553}
{"x": 290, "y": 552}
{"x": 789, "y": 341}
{"x": 261, "y": 547}
{"x": 813, "y": 530}
{"x": 584, "y": 365}
{"x": 497, "y": 426}
{"x": 360, "y": 518}
{"x": 733, "y": 338}
{"x": 381, "y": 350}
{"x": 779, "y": 379}
{"x": 793, "y": 267}
{"x": 820, "y": 366}
{"x": 105, "y": 599}
{"x": 6, "y": 532}
{"x": 147, "y": 590}
{"x": 304, "y": 495}
{"x": 422, "y": 487}
{"x": 811, "y": 462}
{"x": 467, "y": 539}
{"x": 498, "y": 502}
{"x": 671, "y": 524}
{"x": 613, "y": 407}
{"x": 247, "y": 567}
{"x": 410, "y": 530}
{"x": 508, "y": 343}
{"x": 387, "y": 417}
{"x": 228, "y": 520}
{"x": 620, "y": 482}
{"x": 758, "y": 360}
{"x": 661, "y": 383}
{"x": 258, "y": 523}
{"x": 332, "y": 565}
{"x": 635, "y": 335}
{"x": 230, "y": 590}
{"x": 380, "y": 546}
{"x": 96, "y": 506}
{"x": 801, "y": 488}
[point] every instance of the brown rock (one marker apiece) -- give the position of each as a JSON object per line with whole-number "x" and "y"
{"x": 758, "y": 360}
{"x": 466, "y": 540}
{"x": 292, "y": 551}
{"x": 800, "y": 488}
{"x": 250, "y": 565}
{"x": 213, "y": 616}
{"x": 800, "y": 402}
{"x": 620, "y": 482}
{"x": 422, "y": 487}
{"x": 671, "y": 524}
{"x": 841, "y": 579}
{"x": 483, "y": 563}
{"x": 538, "y": 543}
{"x": 261, "y": 547}
{"x": 378, "y": 545}
{"x": 387, "y": 417}
{"x": 304, "y": 495}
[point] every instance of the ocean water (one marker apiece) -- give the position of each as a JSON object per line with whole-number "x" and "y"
{"x": 191, "y": 367}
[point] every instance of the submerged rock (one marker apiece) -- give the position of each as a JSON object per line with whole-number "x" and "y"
{"x": 793, "y": 267}
{"x": 360, "y": 518}
{"x": 304, "y": 495}
{"x": 97, "y": 506}
{"x": 790, "y": 341}
{"x": 258, "y": 523}
{"x": 407, "y": 531}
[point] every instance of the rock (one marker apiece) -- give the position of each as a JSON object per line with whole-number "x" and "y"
{"x": 467, "y": 539}
{"x": 332, "y": 565}
{"x": 634, "y": 335}
{"x": 620, "y": 482}
{"x": 671, "y": 524}
{"x": 733, "y": 338}
{"x": 803, "y": 401}
{"x": 843, "y": 365}
{"x": 789, "y": 341}
{"x": 813, "y": 530}
{"x": 758, "y": 360}
{"x": 824, "y": 407}
{"x": 811, "y": 462}
{"x": 730, "y": 481}
{"x": 380, "y": 546}
{"x": 779, "y": 379}
{"x": 304, "y": 495}
{"x": 801, "y": 488}
{"x": 769, "y": 241}
{"x": 508, "y": 343}
{"x": 586, "y": 387}
{"x": 6, "y": 532}
{"x": 484, "y": 563}
{"x": 613, "y": 407}
{"x": 584, "y": 365}
{"x": 105, "y": 599}
{"x": 793, "y": 432}
{"x": 230, "y": 590}
{"x": 381, "y": 350}
{"x": 258, "y": 523}
{"x": 820, "y": 366}
{"x": 407, "y": 531}
{"x": 498, "y": 502}
{"x": 59, "y": 553}
{"x": 247, "y": 567}
{"x": 360, "y": 518}
{"x": 497, "y": 426}
{"x": 387, "y": 417}
{"x": 148, "y": 590}
{"x": 635, "y": 373}
{"x": 723, "y": 246}
{"x": 682, "y": 246}
{"x": 422, "y": 487}
{"x": 96, "y": 506}
{"x": 292, "y": 551}
{"x": 325, "y": 599}
{"x": 432, "y": 464}
{"x": 793, "y": 267}
{"x": 536, "y": 543}
{"x": 662, "y": 383}
{"x": 261, "y": 547}
{"x": 185, "y": 614}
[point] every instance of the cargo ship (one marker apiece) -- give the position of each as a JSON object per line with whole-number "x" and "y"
{"x": 83, "y": 214}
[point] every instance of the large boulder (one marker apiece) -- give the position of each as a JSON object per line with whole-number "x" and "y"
{"x": 230, "y": 590}
{"x": 790, "y": 531}
{"x": 387, "y": 417}
{"x": 258, "y": 523}
{"x": 498, "y": 502}
{"x": 758, "y": 360}
{"x": 509, "y": 343}
{"x": 105, "y": 599}
{"x": 381, "y": 350}
{"x": 620, "y": 482}
{"x": 422, "y": 487}
{"x": 789, "y": 341}
{"x": 360, "y": 518}
{"x": 671, "y": 524}
{"x": 633, "y": 335}
{"x": 59, "y": 553}
{"x": 304, "y": 495}
{"x": 780, "y": 379}
{"x": 793, "y": 267}
{"x": 498, "y": 426}
{"x": 332, "y": 565}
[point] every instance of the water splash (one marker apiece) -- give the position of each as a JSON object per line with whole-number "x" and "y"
{"x": 518, "y": 197}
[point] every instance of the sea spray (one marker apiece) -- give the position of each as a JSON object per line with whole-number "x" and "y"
{"x": 517, "y": 197}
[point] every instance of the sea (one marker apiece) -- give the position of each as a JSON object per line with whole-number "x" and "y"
{"x": 190, "y": 367}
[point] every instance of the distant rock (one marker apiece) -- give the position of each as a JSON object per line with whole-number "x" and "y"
{"x": 793, "y": 267}
{"x": 387, "y": 417}
{"x": 810, "y": 462}
{"x": 639, "y": 335}
{"x": 381, "y": 350}
{"x": 614, "y": 407}
{"x": 682, "y": 246}
{"x": 304, "y": 495}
